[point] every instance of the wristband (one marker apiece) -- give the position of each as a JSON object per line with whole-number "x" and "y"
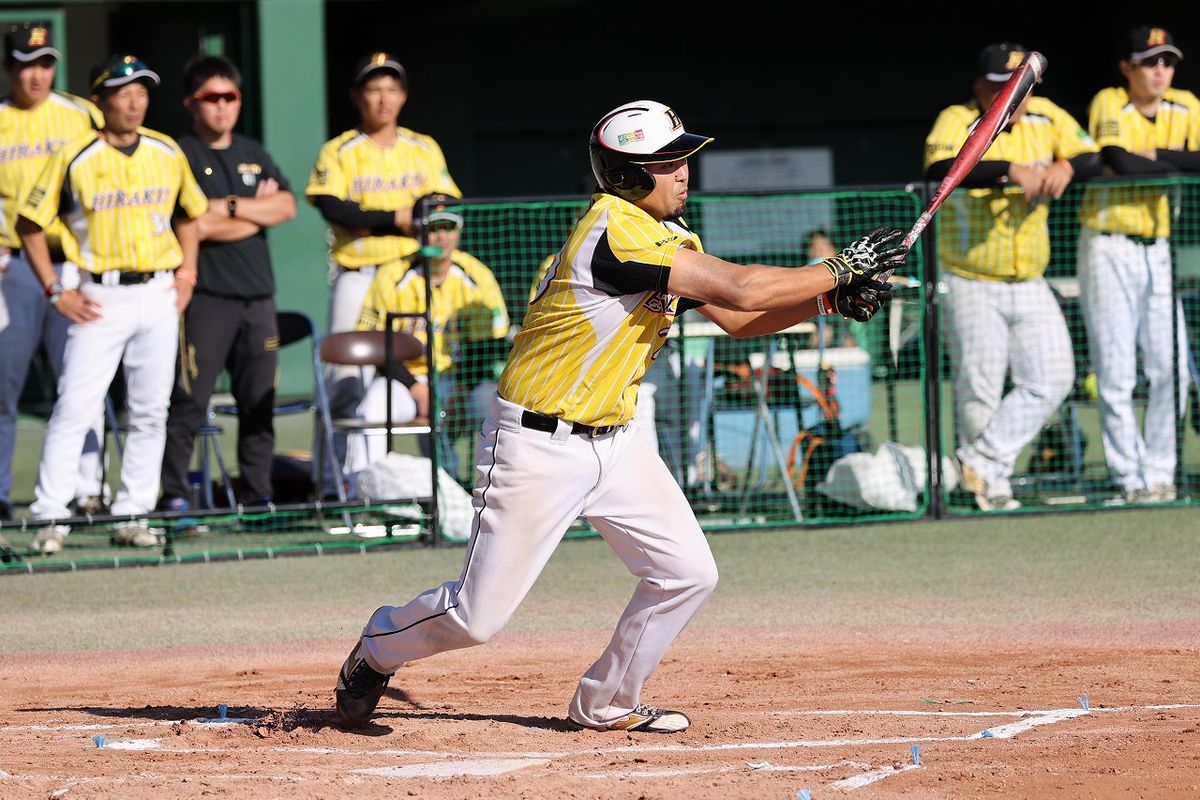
{"x": 53, "y": 291}
{"x": 185, "y": 276}
{"x": 823, "y": 306}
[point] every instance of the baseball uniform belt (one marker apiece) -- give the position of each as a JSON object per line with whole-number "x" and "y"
{"x": 56, "y": 254}
{"x": 1145, "y": 241}
{"x": 122, "y": 277}
{"x": 549, "y": 424}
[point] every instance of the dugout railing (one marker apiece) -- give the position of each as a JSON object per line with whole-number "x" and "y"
{"x": 830, "y": 422}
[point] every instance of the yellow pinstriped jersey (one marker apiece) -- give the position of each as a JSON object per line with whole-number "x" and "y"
{"x": 117, "y": 207}
{"x": 27, "y": 140}
{"x": 467, "y": 306}
{"x": 598, "y": 317}
{"x": 1116, "y": 122}
{"x": 996, "y": 233}
{"x": 353, "y": 167}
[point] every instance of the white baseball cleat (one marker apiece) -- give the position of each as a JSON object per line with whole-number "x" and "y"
{"x": 48, "y": 539}
{"x": 646, "y": 719}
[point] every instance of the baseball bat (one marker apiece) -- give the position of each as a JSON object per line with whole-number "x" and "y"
{"x": 1014, "y": 92}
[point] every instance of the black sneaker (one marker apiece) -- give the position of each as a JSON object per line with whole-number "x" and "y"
{"x": 5, "y": 511}
{"x": 359, "y": 688}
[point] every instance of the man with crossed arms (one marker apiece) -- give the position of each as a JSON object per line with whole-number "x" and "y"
{"x": 1126, "y": 285}
{"x": 130, "y": 202}
{"x": 35, "y": 121}
{"x": 557, "y": 443}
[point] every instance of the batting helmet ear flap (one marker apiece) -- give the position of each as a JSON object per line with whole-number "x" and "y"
{"x": 617, "y": 176}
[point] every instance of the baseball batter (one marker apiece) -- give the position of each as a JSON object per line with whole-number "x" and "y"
{"x": 556, "y": 443}
{"x": 1125, "y": 278}
{"x": 993, "y": 246}
{"x": 365, "y": 183}
{"x": 130, "y": 202}
{"x": 35, "y": 121}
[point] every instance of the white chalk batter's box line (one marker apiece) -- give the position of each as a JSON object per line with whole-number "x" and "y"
{"x": 482, "y": 764}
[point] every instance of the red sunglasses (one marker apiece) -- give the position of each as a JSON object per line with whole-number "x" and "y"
{"x": 216, "y": 97}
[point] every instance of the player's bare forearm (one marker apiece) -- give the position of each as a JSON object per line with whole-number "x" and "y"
{"x": 744, "y": 324}
{"x": 187, "y": 231}
{"x": 215, "y": 225}
{"x": 755, "y": 287}
{"x": 267, "y": 212}
{"x": 37, "y": 250}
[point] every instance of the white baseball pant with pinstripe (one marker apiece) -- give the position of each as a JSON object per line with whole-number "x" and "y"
{"x": 1126, "y": 292}
{"x": 992, "y": 328}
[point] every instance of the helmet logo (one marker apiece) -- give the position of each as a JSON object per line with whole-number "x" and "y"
{"x": 633, "y": 136}
{"x": 1014, "y": 60}
{"x": 676, "y": 122}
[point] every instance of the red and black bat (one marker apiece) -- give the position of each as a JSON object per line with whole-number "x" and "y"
{"x": 1019, "y": 84}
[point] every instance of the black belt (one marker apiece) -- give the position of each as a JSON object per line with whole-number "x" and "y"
{"x": 124, "y": 277}
{"x": 56, "y": 254}
{"x": 1145, "y": 241}
{"x": 549, "y": 424}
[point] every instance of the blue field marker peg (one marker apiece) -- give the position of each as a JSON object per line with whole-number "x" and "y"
{"x": 1083, "y": 701}
{"x": 99, "y": 740}
{"x": 987, "y": 734}
{"x": 222, "y": 711}
{"x": 916, "y": 755}
{"x": 803, "y": 795}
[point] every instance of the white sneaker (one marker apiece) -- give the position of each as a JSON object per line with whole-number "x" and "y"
{"x": 974, "y": 483}
{"x": 1163, "y": 493}
{"x": 136, "y": 533}
{"x": 48, "y": 539}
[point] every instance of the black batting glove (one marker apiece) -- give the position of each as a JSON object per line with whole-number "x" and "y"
{"x": 863, "y": 302}
{"x": 866, "y": 258}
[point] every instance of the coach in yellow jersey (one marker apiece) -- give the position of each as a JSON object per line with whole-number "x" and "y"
{"x": 468, "y": 314}
{"x": 35, "y": 121}
{"x": 993, "y": 246}
{"x": 365, "y": 184}
{"x": 1143, "y": 128}
{"x": 130, "y": 203}
{"x": 556, "y": 443}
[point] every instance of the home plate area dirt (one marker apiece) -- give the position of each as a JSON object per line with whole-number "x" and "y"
{"x": 992, "y": 711}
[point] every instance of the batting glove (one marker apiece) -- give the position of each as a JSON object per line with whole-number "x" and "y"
{"x": 863, "y": 302}
{"x": 866, "y": 258}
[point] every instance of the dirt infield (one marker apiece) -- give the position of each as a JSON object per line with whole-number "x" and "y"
{"x": 832, "y": 710}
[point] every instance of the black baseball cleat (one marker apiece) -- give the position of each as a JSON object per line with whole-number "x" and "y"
{"x": 359, "y": 688}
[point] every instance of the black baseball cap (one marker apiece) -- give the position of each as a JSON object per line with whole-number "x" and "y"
{"x": 1149, "y": 41}
{"x": 119, "y": 70}
{"x": 997, "y": 62}
{"x": 380, "y": 61}
{"x": 28, "y": 41}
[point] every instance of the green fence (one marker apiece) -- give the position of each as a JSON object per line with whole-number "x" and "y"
{"x": 830, "y": 421}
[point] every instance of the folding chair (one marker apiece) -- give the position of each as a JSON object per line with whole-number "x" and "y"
{"x": 293, "y": 327}
{"x": 359, "y": 349}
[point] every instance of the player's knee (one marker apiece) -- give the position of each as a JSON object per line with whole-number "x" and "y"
{"x": 480, "y": 631}
{"x": 704, "y": 578}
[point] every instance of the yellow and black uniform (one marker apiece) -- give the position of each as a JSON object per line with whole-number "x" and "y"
{"x": 28, "y": 137}
{"x": 1115, "y": 122}
{"x": 117, "y": 205}
{"x": 995, "y": 233}
{"x": 599, "y": 316}
{"x": 467, "y": 306}
{"x": 352, "y": 167}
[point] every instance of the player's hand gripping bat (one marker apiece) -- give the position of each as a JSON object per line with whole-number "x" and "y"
{"x": 990, "y": 124}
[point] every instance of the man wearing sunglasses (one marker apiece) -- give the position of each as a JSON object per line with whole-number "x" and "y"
{"x": 35, "y": 121}
{"x": 365, "y": 184}
{"x": 1149, "y": 129}
{"x": 128, "y": 198}
{"x": 230, "y": 322}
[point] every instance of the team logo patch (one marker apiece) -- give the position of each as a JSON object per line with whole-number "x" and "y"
{"x": 676, "y": 122}
{"x": 37, "y": 37}
{"x": 1110, "y": 128}
{"x": 1014, "y": 60}
{"x": 249, "y": 173}
{"x": 661, "y": 303}
{"x": 632, "y": 136}
{"x": 1157, "y": 36}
